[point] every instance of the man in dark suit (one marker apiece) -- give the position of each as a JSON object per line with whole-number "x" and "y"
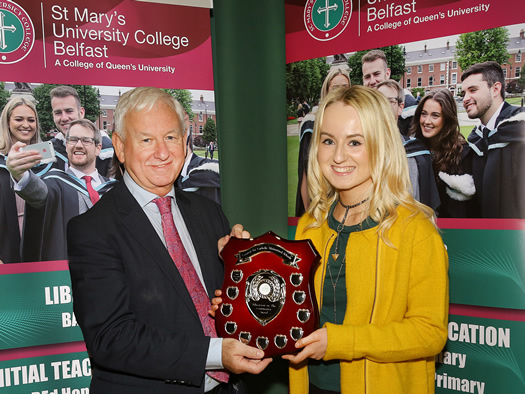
{"x": 498, "y": 143}
{"x": 57, "y": 196}
{"x": 133, "y": 303}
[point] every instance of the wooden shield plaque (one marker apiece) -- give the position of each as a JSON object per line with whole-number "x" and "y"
{"x": 268, "y": 298}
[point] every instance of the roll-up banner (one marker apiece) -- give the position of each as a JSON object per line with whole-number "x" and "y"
{"x": 485, "y": 351}
{"x": 111, "y": 45}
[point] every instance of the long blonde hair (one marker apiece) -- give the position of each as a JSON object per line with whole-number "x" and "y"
{"x": 387, "y": 161}
{"x": 6, "y": 142}
{"x": 334, "y": 72}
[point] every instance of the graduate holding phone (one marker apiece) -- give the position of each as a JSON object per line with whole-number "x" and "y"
{"x": 18, "y": 124}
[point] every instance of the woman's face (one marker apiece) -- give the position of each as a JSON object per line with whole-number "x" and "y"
{"x": 342, "y": 153}
{"x": 431, "y": 120}
{"x": 339, "y": 81}
{"x": 22, "y": 124}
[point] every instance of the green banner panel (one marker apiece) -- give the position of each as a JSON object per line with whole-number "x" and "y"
{"x": 486, "y": 267}
{"x": 36, "y": 309}
{"x": 57, "y": 374}
{"x": 482, "y": 356}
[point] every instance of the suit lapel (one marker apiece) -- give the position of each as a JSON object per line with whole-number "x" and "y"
{"x": 138, "y": 225}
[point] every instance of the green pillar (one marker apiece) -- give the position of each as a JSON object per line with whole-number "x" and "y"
{"x": 249, "y": 63}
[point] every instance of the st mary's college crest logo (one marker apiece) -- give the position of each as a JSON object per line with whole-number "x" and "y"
{"x": 326, "y": 19}
{"x": 17, "y": 33}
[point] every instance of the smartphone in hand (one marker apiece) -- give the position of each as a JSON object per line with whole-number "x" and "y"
{"x": 46, "y": 151}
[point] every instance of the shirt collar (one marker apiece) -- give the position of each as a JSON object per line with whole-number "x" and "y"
{"x": 142, "y": 196}
{"x": 59, "y": 136}
{"x": 491, "y": 124}
{"x": 80, "y": 174}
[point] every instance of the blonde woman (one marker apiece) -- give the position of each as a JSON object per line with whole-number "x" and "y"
{"x": 18, "y": 123}
{"x": 382, "y": 285}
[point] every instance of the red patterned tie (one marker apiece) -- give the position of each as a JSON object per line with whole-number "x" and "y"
{"x": 189, "y": 275}
{"x": 93, "y": 195}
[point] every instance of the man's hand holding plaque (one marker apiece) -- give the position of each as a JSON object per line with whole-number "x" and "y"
{"x": 267, "y": 295}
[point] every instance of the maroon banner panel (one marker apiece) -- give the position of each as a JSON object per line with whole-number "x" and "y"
{"x": 316, "y": 28}
{"x": 109, "y": 42}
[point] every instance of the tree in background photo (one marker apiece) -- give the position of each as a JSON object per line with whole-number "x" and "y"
{"x": 482, "y": 46}
{"x": 185, "y": 98}
{"x": 4, "y": 96}
{"x": 304, "y": 80}
{"x": 209, "y": 133}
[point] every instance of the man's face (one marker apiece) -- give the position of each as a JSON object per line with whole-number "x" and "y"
{"x": 391, "y": 94}
{"x": 65, "y": 110}
{"x": 154, "y": 148}
{"x": 82, "y": 156}
{"x": 375, "y": 72}
{"x": 480, "y": 100}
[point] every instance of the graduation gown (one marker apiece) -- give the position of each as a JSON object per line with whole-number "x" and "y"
{"x": 428, "y": 191}
{"x": 202, "y": 178}
{"x": 307, "y": 129}
{"x": 9, "y": 230}
{"x": 498, "y": 165}
{"x": 457, "y": 189}
{"x": 50, "y": 204}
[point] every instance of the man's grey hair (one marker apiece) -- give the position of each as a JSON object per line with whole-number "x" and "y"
{"x": 144, "y": 99}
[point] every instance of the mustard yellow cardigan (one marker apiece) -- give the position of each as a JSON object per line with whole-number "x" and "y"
{"x": 397, "y": 308}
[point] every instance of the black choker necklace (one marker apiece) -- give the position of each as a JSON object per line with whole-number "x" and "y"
{"x": 355, "y": 205}
{"x": 341, "y": 225}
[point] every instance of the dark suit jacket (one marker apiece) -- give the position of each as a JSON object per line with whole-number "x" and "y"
{"x": 138, "y": 319}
